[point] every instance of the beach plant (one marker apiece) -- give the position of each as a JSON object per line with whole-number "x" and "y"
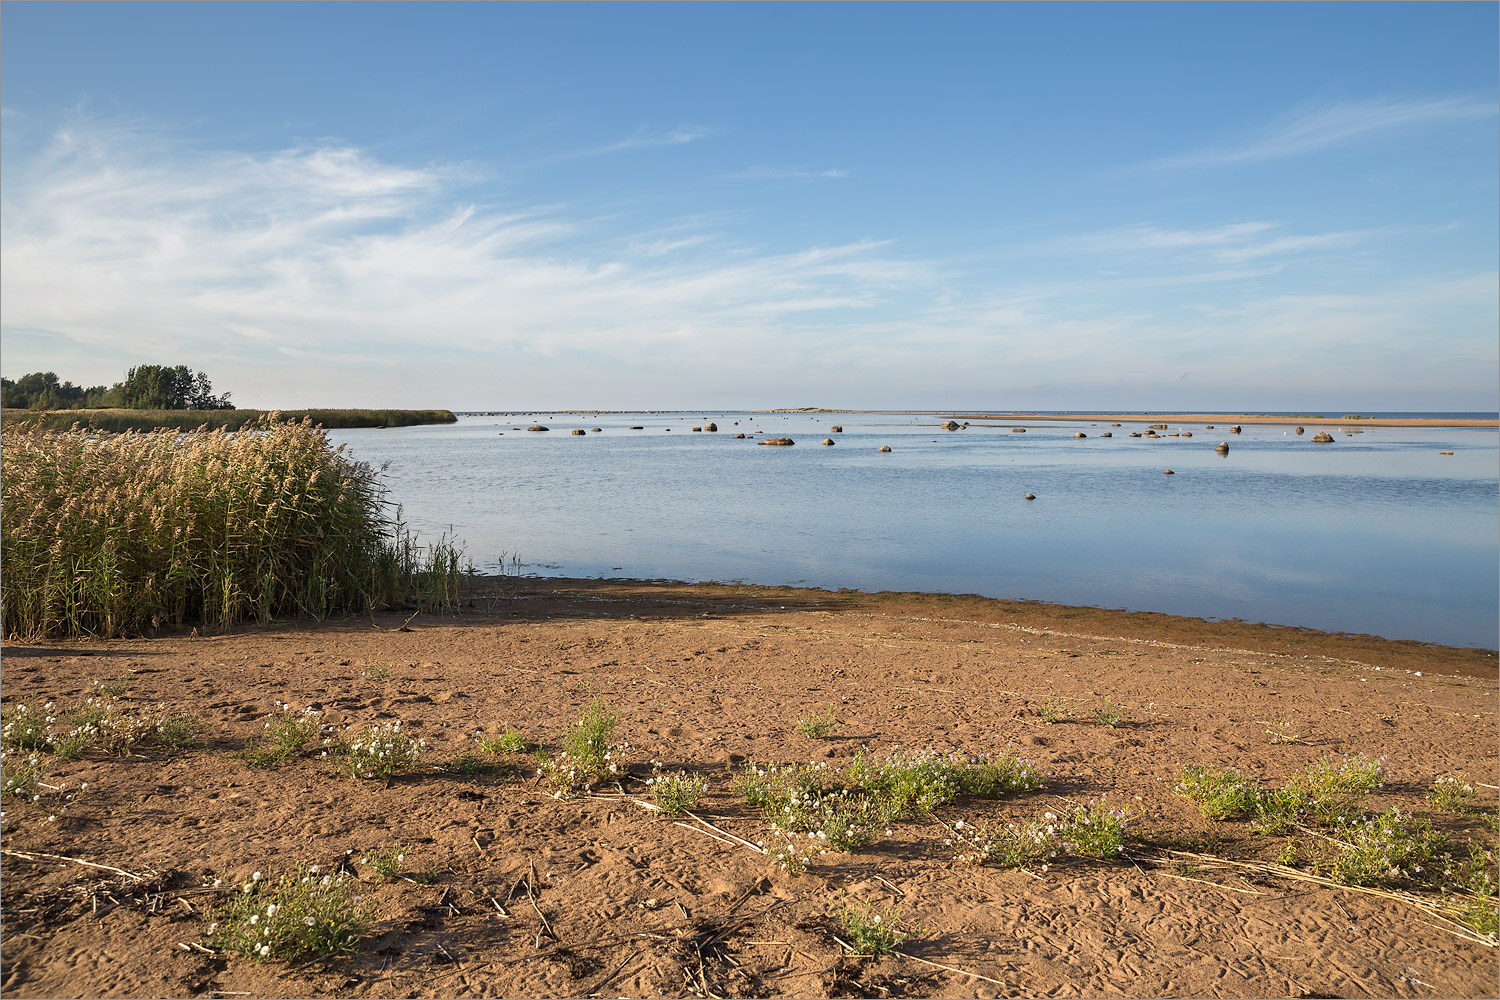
{"x": 511, "y": 741}
{"x": 678, "y": 793}
{"x": 1218, "y": 794}
{"x": 1282, "y": 730}
{"x": 26, "y": 728}
{"x": 1028, "y": 844}
{"x": 817, "y": 726}
{"x": 1093, "y": 831}
{"x": 378, "y": 671}
{"x": 115, "y": 534}
{"x": 909, "y": 784}
{"x": 589, "y": 754}
{"x": 1056, "y": 710}
{"x": 993, "y": 775}
{"x": 873, "y": 931}
{"x": 178, "y": 731}
{"x": 19, "y": 778}
{"x": 381, "y": 752}
{"x": 304, "y": 914}
{"x": 1452, "y": 794}
{"x": 1277, "y": 811}
{"x": 1335, "y": 793}
{"x": 386, "y": 863}
{"x": 282, "y": 738}
{"x": 1391, "y": 849}
{"x": 114, "y": 688}
{"x": 1109, "y": 715}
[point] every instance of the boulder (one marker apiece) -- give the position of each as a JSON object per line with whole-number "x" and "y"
{"x": 1031, "y": 496}
{"x": 1018, "y": 430}
{"x": 885, "y": 447}
{"x": 738, "y": 436}
{"x": 1208, "y": 427}
{"x": 1079, "y": 434}
{"x": 536, "y": 427}
{"x": 1235, "y": 429}
{"x": 1187, "y": 434}
{"x": 779, "y": 442}
{"x": 1301, "y": 429}
{"x": 1222, "y": 447}
{"x": 711, "y": 427}
{"x": 1168, "y": 472}
{"x": 827, "y": 441}
{"x": 1323, "y": 437}
{"x": 1107, "y": 434}
{"x": 1135, "y": 434}
{"x": 638, "y": 427}
{"x": 1445, "y": 453}
{"x": 1158, "y": 427}
{"x": 1114, "y": 425}
{"x": 951, "y": 425}
{"x": 836, "y": 429}
{"x": 596, "y": 430}
{"x": 580, "y": 432}
{"x": 698, "y": 429}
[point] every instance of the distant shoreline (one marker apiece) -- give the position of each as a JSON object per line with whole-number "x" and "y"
{"x": 1235, "y": 418}
{"x": 191, "y": 420}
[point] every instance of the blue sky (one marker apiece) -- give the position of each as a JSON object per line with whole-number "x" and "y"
{"x": 1054, "y": 206}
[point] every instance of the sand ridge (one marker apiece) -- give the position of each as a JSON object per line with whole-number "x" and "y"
{"x": 709, "y": 677}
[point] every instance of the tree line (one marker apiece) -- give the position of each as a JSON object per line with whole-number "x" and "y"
{"x": 145, "y": 387}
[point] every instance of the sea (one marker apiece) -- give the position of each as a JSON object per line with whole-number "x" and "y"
{"x": 1378, "y": 532}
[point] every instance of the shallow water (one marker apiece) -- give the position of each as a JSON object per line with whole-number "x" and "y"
{"x": 1375, "y": 533}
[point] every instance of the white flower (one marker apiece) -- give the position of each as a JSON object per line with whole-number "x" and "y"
{"x": 255, "y": 877}
{"x": 255, "y": 918}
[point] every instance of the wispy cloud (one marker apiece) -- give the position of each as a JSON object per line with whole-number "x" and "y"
{"x": 1229, "y": 244}
{"x": 642, "y": 138}
{"x": 1322, "y": 126}
{"x": 785, "y": 174}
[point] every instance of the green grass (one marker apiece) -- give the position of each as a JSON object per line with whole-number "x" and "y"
{"x": 1218, "y": 794}
{"x": 305, "y": 914}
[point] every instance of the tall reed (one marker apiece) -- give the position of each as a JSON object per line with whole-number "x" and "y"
{"x": 113, "y": 534}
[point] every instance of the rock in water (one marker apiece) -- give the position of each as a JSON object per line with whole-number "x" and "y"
{"x": 1187, "y": 434}
{"x": 885, "y": 447}
{"x": 739, "y": 435}
{"x": 1107, "y": 434}
{"x": 1079, "y": 434}
{"x": 1222, "y": 447}
{"x": 1018, "y": 430}
{"x": 1168, "y": 472}
{"x": 836, "y": 429}
{"x": 536, "y": 427}
{"x": 781, "y": 442}
{"x": 710, "y": 427}
{"x": 1235, "y": 429}
{"x": 1300, "y": 429}
{"x": 1031, "y": 496}
{"x": 580, "y": 432}
{"x": 951, "y": 425}
{"x": 827, "y": 441}
{"x": 1323, "y": 437}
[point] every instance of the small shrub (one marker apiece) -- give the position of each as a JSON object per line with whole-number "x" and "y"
{"x": 116, "y": 687}
{"x": 21, "y": 778}
{"x": 512, "y": 742}
{"x": 1288, "y": 853}
{"x": 1451, "y": 794}
{"x": 1281, "y": 731}
{"x": 303, "y": 914}
{"x": 26, "y": 728}
{"x": 871, "y": 931}
{"x": 1093, "y": 831}
{"x": 378, "y": 671}
{"x": 909, "y": 784}
{"x": 588, "y": 755}
{"x": 382, "y": 752}
{"x": 282, "y": 739}
{"x": 1017, "y": 845}
{"x": 1355, "y": 776}
{"x": 387, "y": 864}
{"x": 676, "y": 793}
{"x": 1277, "y": 811}
{"x": 1219, "y": 795}
{"x": 177, "y": 732}
{"x": 1109, "y": 714}
{"x": 1056, "y": 710}
{"x": 990, "y": 777}
{"x": 99, "y": 722}
{"x": 1391, "y": 849}
{"x": 816, "y": 726}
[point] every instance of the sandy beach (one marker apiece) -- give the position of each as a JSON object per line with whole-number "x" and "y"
{"x": 1227, "y": 420}
{"x": 510, "y": 891}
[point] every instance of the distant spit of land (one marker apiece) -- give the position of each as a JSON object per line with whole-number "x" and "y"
{"x": 187, "y": 420}
{"x": 1237, "y": 418}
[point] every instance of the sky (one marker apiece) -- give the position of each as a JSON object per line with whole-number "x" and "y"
{"x": 907, "y": 206}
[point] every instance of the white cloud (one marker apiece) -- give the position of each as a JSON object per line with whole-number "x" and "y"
{"x": 786, "y": 174}
{"x": 1321, "y": 126}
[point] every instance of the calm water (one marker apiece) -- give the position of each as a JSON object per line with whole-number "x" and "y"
{"x": 1375, "y": 533}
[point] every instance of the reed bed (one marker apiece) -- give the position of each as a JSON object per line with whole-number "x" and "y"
{"x": 119, "y": 420}
{"x": 113, "y": 534}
